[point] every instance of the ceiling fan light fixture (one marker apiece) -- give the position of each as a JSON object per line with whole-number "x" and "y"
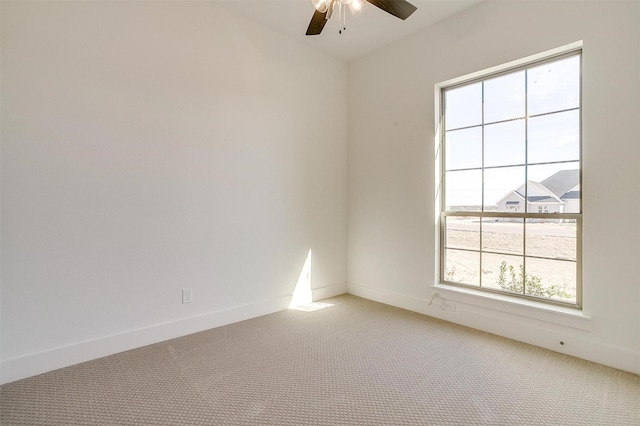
{"x": 324, "y": 9}
{"x": 321, "y": 5}
{"x": 357, "y": 6}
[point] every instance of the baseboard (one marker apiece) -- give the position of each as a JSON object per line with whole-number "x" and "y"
{"x": 539, "y": 333}
{"x": 42, "y": 362}
{"x": 389, "y": 298}
{"x": 53, "y": 359}
{"x": 328, "y": 291}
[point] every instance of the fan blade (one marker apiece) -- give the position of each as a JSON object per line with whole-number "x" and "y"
{"x": 399, "y": 8}
{"x": 317, "y": 23}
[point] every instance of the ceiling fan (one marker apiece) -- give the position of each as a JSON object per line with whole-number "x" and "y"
{"x": 325, "y": 9}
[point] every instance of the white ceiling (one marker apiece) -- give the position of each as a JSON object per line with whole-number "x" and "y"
{"x": 370, "y": 31}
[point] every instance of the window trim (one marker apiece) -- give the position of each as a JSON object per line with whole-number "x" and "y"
{"x": 574, "y": 49}
{"x": 493, "y": 304}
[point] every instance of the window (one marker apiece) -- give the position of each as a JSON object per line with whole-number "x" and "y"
{"x": 511, "y": 178}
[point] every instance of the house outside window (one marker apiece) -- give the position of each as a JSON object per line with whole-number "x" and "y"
{"x": 511, "y": 177}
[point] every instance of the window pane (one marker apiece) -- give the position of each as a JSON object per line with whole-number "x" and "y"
{"x": 554, "y": 86}
{"x": 463, "y": 106}
{"x": 554, "y": 188}
{"x": 464, "y": 148}
{"x": 502, "y": 185}
{"x": 462, "y": 266}
{"x": 554, "y": 137}
{"x": 553, "y": 238}
{"x": 551, "y": 278}
{"x": 503, "y": 235}
{"x": 504, "y": 144}
{"x": 511, "y": 150}
{"x": 502, "y": 272}
{"x": 504, "y": 97}
{"x": 462, "y": 232}
{"x": 464, "y": 190}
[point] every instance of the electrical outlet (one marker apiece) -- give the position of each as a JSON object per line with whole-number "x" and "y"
{"x": 187, "y": 296}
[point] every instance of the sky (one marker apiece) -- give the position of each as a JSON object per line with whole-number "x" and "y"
{"x": 531, "y": 119}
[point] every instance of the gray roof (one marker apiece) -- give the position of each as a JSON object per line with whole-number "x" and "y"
{"x": 542, "y": 199}
{"x": 562, "y": 182}
{"x": 553, "y": 190}
{"x": 571, "y": 195}
{"x": 544, "y": 194}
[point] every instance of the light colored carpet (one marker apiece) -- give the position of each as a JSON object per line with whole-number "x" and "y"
{"x": 354, "y": 362}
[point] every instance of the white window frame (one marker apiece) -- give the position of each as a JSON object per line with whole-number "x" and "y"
{"x": 567, "y": 51}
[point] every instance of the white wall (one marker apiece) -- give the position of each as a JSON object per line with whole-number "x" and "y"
{"x": 153, "y": 146}
{"x": 149, "y": 147}
{"x": 392, "y": 235}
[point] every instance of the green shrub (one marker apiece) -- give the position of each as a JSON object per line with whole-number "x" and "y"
{"x": 522, "y": 283}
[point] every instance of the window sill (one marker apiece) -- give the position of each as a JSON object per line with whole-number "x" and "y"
{"x": 477, "y": 300}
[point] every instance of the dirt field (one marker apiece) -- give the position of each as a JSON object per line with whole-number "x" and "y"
{"x": 506, "y": 242}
